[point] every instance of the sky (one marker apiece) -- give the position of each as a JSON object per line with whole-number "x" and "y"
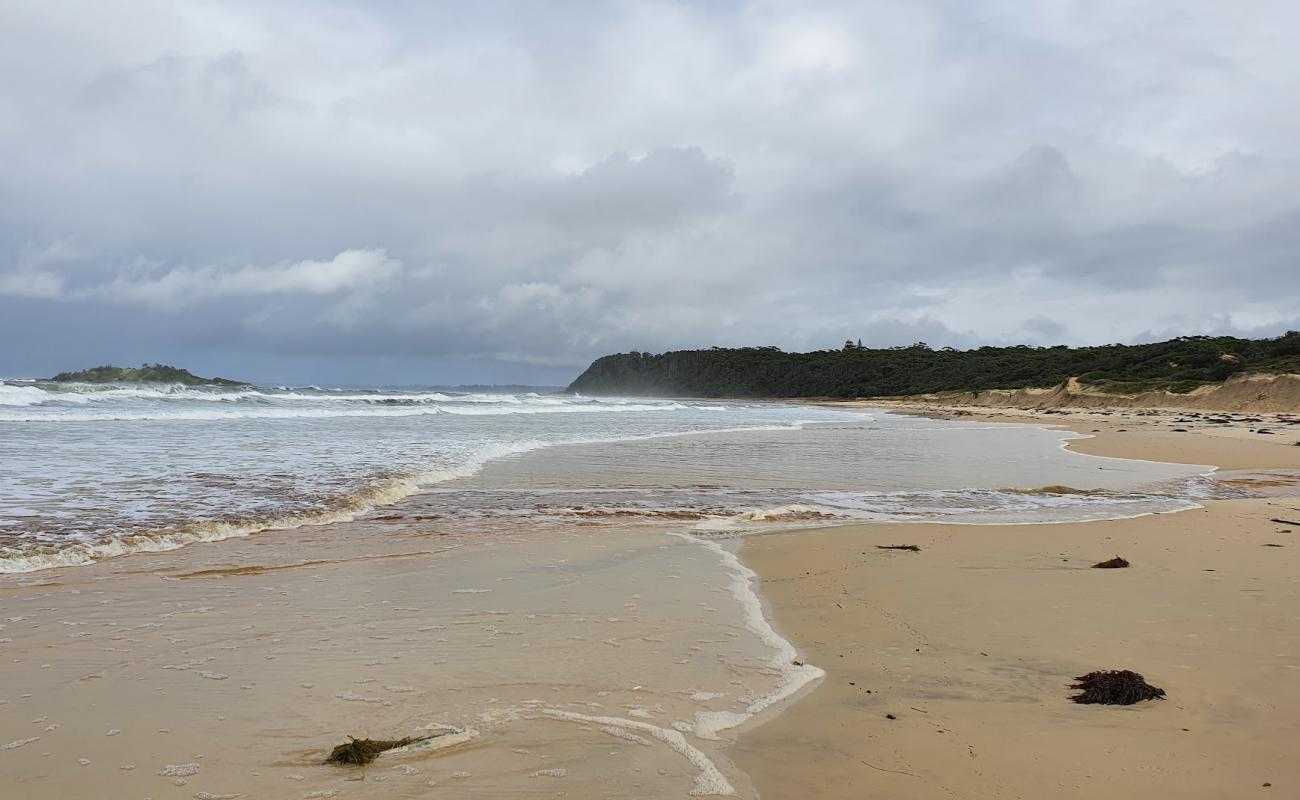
{"x": 401, "y": 192}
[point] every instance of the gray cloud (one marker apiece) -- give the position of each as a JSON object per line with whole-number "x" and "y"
{"x": 393, "y": 191}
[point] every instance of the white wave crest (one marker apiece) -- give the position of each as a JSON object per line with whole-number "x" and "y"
{"x": 21, "y": 395}
{"x": 137, "y": 414}
{"x": 346, "y": 509}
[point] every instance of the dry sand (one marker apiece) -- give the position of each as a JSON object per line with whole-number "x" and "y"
{"x": 971, "y": 643}
{"x": 1229, "y": 441}
{"x": 1243, "y": 392}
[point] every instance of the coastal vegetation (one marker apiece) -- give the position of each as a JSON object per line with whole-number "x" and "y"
{"x": 147, "y": 373}
{"x": 1177, "y": 365}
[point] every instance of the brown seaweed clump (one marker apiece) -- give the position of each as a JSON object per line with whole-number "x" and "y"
{"x": 1121, "y": 687}
{"x": 910, "y": 547}
{"x": 363, "y": 751}
{"x": 1114, "y": 563}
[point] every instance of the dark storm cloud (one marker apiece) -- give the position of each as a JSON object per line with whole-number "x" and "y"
{"x": 369, "y": 191}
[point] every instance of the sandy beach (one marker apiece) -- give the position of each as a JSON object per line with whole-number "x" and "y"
{"x": 585, "y": 659}
{"x": 948, "y": 669}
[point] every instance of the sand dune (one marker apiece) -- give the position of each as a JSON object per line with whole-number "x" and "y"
{"x": 1246, "y": 392}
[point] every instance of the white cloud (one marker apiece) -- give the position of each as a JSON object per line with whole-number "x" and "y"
{"x": 349, "y": 270}
{"x": 565, "y": 179}
{"x": 31, "y": 283}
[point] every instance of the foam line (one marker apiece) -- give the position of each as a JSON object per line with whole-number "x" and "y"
{"x": 709, "y": 782}
{"x": 784, "y": 660}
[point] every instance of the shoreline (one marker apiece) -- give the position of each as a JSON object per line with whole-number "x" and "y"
{"x": 208, "y": 622}
{"x": 971, "y": 643}
{"x": 1158, "y": 434}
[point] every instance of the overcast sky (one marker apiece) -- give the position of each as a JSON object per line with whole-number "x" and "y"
{"x": 411, "y": 192}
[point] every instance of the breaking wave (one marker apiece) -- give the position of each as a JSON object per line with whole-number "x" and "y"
{"x": 341, "y": 509}
{"x": 27, "y": 553}
{"x": 93, "y": 402}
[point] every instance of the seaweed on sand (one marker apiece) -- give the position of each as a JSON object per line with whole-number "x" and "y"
{"x": 363, "y": 751}
{"x": 909, "y": 547}
{"x": 1114, "y": 563}
{"x": 1121, "y": 687}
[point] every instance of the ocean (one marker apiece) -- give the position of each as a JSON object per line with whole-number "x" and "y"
{"x": 94, "y": 471}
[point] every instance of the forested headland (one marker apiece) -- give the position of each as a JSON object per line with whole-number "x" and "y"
{"x": 1177, "y": 365}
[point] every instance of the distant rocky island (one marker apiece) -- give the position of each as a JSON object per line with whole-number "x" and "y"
{"x": 147, "y": 373}
{"x": 1177, "y": 366}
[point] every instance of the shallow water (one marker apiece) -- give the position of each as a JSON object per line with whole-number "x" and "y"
{"x": 88, "y": 472}
{"x": 867, "y": 467}
{"x": 615, "y": 657}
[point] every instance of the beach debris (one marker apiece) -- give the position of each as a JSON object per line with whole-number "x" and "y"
{"x": 363, "y": 751}
{"x": 909, "y": 547}
{"x": 1284, "y": 521}
{"x": 1114, "y": 563}
{"x": 890, "y": 716}
{"x": 1121, "y": 687}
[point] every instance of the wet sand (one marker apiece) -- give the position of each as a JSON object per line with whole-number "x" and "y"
{"x": 971, "y": 644}
{"x": 561, "y": 663}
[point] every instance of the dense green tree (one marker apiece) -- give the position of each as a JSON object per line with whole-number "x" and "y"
{"x": 1178, "y": 365}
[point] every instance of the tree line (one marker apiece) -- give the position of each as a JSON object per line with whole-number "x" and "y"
{"x": 1177, "y": 365}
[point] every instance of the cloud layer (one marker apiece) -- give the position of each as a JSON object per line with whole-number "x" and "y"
{"x": 403, "y": 192}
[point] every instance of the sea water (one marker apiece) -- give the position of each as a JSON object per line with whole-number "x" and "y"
{"x": 93, "y": 471}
